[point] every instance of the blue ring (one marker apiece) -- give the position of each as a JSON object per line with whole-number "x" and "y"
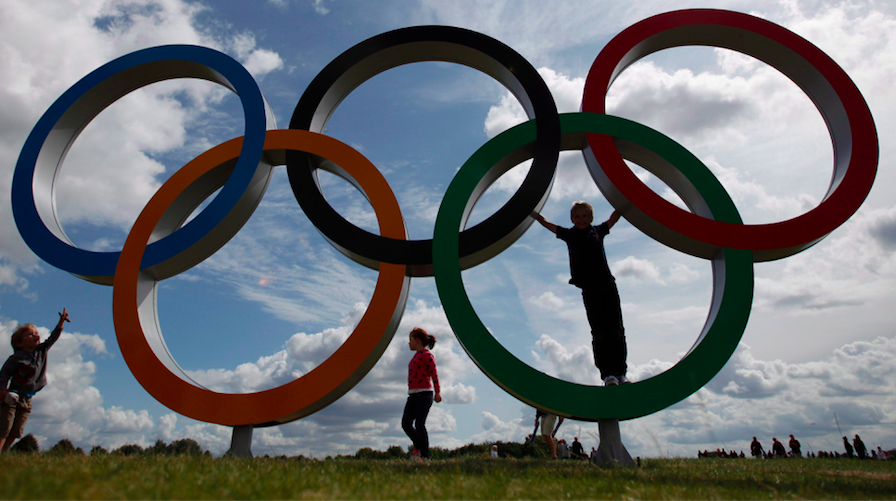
{"x": 91, "y": 95}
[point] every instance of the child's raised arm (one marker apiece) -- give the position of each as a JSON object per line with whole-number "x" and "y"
{"x": 544, "y": 222}
{"x": 613, "y": 218}
{"x": 63, "y": 318}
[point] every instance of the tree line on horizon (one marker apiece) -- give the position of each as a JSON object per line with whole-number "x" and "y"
{"x": 187, "y": 446}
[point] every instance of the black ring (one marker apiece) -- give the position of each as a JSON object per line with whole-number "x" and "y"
{"x": 416, "y": 44}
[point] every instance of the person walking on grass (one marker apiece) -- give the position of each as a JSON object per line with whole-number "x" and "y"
{"x": 755, "y": 448}
{"x": 548, "y": 421}
{"x": 849, "y": 451}
{"x": 795, "y": 450}
{"x": 860, "y": 447}
{"x": 577, "y": 451}
{"x": 778, "y": 449}
{"x": 423, "y": 389}
{"x": 591, "y": 273}
{"x": 23, "y": 375}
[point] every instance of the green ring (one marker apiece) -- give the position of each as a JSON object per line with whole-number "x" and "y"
{"x": 732, "y": 289}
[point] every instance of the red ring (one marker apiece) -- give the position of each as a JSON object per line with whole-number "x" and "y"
{"x": 841, "y": 104}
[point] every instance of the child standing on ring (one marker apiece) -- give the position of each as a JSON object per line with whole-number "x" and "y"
{"x": 423, "y": 388}
{"x": 23, "y": 375}
{"x": 591, "y": 273}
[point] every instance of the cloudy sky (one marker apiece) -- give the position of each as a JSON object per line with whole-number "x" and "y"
{"x": 278, "y": 299}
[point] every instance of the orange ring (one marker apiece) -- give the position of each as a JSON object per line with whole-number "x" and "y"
{"x": 314, "y": 390}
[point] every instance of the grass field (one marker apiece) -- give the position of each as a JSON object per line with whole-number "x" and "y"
{"x": 44, "y": 476}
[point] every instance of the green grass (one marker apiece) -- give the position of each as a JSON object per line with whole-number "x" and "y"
{"x": 43, "y": 476}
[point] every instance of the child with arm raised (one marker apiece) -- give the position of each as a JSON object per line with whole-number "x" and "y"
{"x": 591, "y": 273}
{"x": 23, "y": 375}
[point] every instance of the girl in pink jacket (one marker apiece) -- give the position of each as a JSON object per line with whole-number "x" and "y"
{"x": 423, "y": 388}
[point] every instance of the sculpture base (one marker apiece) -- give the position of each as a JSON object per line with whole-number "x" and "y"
{"x": 611, "y": 451}
{"x": 241, "y": 442}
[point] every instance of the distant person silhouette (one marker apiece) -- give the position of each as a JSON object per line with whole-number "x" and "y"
{"x": 755, "y": 448}
{"x": 849, "y": 451}
{"x": 860, "y": 447}
{"x": 795, "y": 447}
{"x": 562, "y": 449}
{"x": 578, "y": 452}
{"x": 778, "y": 449}
{"x": 547, "y": 430}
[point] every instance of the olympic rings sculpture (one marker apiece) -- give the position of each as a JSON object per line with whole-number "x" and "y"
{"x": 161, "y": 245}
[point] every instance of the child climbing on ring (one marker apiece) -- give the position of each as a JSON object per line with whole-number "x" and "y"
{"x": 591, "y": 273}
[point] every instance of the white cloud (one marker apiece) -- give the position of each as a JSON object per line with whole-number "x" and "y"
{"x": 682, "y": 103}
{"x": 753, "y": 194}
{"x": 851, "y": 268}
{"x": 10, "y": 276}
{"x": 504, "y": 115}
{"x": 865, "y": 244}
{"x": 575, "y": 365}
{"x": 679, "y": 274}
{"x": 459, "y": 393}
{"x": 303, "y": 352}
{"x": 640, "y": 269}
{"x": 258, "y": 61}
{"x": 494, "y": 430}
{"x": 508, "y": 112}
{"x": 167, "y": 423}
{"x": 319, "y": 7}
{"x": 736, "y": 125}
{"x": 489, "y": 421}
{"x": 548, "y": 301}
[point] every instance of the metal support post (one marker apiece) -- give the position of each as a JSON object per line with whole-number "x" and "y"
{"x": 611, "y": 451}
{"x": 241, "y": 442}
